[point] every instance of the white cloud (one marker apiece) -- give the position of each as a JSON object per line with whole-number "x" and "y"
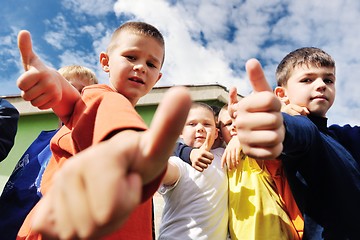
{"x": 187, "y": 62}
{"x": 90, "y": 7}
{"x": 264, "y": 29}
{"x": 208, "y": 41}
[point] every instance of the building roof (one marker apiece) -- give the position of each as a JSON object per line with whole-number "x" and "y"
{"x": 198, "y": 93}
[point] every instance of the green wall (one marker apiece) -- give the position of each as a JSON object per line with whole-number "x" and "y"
{"x": 30, "y": 127}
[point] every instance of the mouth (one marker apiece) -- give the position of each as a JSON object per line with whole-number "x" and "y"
{"x": 137, "y": 80}
{"x": 320, "y": 97}
{"x": 199, "y": 138}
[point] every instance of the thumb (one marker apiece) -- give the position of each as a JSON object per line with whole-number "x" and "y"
{"x": 208, "y": 142}
{"x": 233, "y": 96}
{"x": 28, "y": 57}
{"x": 256, "y": 76}
{"x": 233, "y": 100}
{"x": 167, "y": 124}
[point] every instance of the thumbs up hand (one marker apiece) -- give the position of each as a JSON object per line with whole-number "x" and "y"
{"x": 258, "y": 118}
{"x": 44, "y": 87}
{"x": 201, "y": 158}
{"x": 35, "y": 83}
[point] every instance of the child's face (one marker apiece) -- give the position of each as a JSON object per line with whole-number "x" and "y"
{"x": 198, "y": 123}
{"x": 311, "y": 87}
{"x": 133, "y": 65}
{"x": 226, "y": 125}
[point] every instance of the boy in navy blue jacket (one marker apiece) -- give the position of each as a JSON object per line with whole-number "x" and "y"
{"x": 321, "y": 163}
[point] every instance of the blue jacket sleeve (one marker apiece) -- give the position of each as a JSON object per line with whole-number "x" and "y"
{"x": 301, "y": 135}
{"x": 183, "y": 151}
{"x": 9, "y": 117}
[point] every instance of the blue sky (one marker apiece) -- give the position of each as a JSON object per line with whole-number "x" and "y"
{"x": 207, "y": 41}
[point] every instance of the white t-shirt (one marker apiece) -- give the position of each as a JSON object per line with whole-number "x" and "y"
{"x": 196, "y": 206}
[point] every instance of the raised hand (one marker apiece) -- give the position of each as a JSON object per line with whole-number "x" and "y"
{"x": 201, "y": 158}
{"x": 83, "y": 204}
{"x": 258, "y": 118}
{"x": 232, "y": 154}
{"x": 44, "y": 87}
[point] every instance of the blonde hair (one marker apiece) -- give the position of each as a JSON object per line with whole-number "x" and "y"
{"x": 309, "y": 56}
{"x": 78, "y": 72}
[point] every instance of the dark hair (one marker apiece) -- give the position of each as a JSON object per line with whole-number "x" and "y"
{"x": 309, "y": 56}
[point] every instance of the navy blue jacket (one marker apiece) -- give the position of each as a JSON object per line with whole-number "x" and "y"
{"x": 323, "y": 168}
{"x": 9, "y": 117}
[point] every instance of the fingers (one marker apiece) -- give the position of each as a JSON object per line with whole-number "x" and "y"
{"x": 28, "y": 57}
{"x": 38, "y": 84}
{"x": 158, "y": 142}
{"x": 43, "y": 221}
{"x": 223, "y": 160}
{"x": 25, "y": 47}
{"x": 256, "y": 76}
{"x": 201, "y": 159}
{"x": 80, "y": 204}
{"x": 259, "y": 121}
{"x": 233, "y": 100}
{"x": 293, "y": 110}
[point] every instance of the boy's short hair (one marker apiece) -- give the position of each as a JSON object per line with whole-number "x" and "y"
{"x": 78, "y": 72}
{"x": 309, "y": 56}
{"x": 204, "y": 106}
{"x": 140, "y": 28}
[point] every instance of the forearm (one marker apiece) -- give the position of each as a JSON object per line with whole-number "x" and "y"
{"x": 183, "y": 151}
{"x": 300, "y": 134}
{"x": 70, "y": 96}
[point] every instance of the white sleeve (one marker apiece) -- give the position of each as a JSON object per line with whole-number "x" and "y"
{"x": 163, "y": 189}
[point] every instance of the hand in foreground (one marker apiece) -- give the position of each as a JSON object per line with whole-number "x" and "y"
{"x": 201, "y": 158}
{"x": 96, "y": 190}
{"x": 44, "y": 87}
{"x": 258, "y": 118}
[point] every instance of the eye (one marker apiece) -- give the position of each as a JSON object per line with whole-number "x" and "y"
{"x": 228, "y": 124}
{"x": 306, "y": 80}
{"x": 130, "y": 58}
{"x": 328, "y": 81}
{"x": 151, "y": 65}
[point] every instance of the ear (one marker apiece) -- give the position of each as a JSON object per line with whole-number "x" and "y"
{"x": 216, "y": 133}
{"x": 104, "y": 61}
{"x": 160, "y": 75}
{"x": 280, "y": 92}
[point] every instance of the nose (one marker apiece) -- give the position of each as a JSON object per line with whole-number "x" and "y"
{"x": 320, "y": 84}
{"x": 139, "y": 67}
{"x": 233, "y": 129}
{"x": 200, "y": 127}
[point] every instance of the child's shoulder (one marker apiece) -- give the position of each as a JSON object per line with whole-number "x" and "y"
{"x": 218, "y": 152}
{"x": 102, "y": 92}
{"x": 347, "y": 131}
